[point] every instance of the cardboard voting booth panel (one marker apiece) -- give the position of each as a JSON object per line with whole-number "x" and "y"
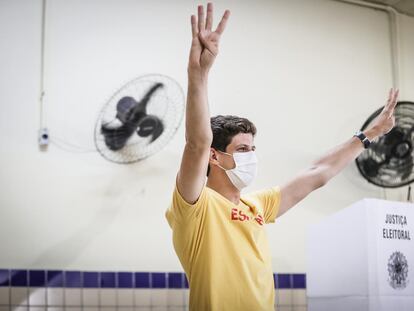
{"x": 362, "y": 258}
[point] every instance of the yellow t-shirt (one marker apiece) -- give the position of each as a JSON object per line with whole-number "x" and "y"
{"x": 224, "y": 249}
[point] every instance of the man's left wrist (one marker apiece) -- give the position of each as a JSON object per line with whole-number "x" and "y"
{"x": 372, "y": 133}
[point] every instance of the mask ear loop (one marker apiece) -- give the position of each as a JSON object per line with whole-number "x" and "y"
{"x": 225, "y": 152}
{"x": 221, "y": 167}
{"x": 224, "y": 169}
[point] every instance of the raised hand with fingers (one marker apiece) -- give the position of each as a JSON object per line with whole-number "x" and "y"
{"x": 205, "y": 43}
{"x": 386, "y": 120}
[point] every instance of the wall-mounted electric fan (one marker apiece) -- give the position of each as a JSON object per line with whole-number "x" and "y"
{"x": 139, "y": 119}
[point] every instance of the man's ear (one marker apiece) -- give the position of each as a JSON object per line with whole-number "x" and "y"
{"x": 213, "y": 156}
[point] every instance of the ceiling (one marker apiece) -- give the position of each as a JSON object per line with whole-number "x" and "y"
{"x": 402, "y": 6}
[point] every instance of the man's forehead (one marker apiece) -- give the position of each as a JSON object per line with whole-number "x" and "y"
{"x": 241, "y": 139}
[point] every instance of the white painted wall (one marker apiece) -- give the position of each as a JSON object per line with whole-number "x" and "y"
{"x": 308, "y": 73}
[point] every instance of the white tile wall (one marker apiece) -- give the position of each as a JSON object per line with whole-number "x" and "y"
{"x": 175, "y": 297}
{"x": 299, "y": 297}
{"x": 72, "y": 297}
{"x": 159, "y": 297}
{"x": 4, "y": 296}
{"x": 37, "y": 296}
{"x": 284, "y": 297}
{"x": 109, "y": 299}
{"x": 186, "y": 296}
{"x": 55, "y": 297}
{"x": 19, "y": 296}
{"x": 126, "y": 297}
{"x": 90, "y": 297}
{"x": 142, "y": 297}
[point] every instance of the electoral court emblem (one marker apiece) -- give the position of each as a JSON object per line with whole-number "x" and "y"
{"x": 398, "y": 270}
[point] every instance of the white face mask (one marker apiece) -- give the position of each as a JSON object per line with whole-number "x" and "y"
{"x": 245, "y": 171}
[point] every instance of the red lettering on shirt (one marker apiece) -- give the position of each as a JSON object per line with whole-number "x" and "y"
{"x": 243, "y": 216}
{"x": 259, "y": 219}
{"x": 239, "y": 215}
{"x": 234, "y": 214}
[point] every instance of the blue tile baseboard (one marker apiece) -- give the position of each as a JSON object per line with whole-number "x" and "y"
{"x": 108, "y": 279}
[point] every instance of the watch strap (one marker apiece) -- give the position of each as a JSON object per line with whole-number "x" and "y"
{"x": 363, "y": 138}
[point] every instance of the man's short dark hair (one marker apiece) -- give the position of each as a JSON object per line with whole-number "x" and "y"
{"x": 224, "y": 128}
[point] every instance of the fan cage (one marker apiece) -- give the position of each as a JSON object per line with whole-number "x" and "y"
{"x": 167, "y": 103}
{"x": 389, "y": 177}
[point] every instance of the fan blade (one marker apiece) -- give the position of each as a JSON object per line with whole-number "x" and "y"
{"x": 116, "y": 138}
{"x": 379, "y": 152}
{"x": 408, "y": 134}
{"x": 395, "y": 136}
{"x": 407, "y": 168}
{"x": 151, "y": 91}
{"x": 158, "y": 130}
{"x": 379, "y": 148}
{"x": 141, "y": 107}
{"x": 139, "y": 110}
{"x": 151, "y": 125}
{"x": 370, "y": 167}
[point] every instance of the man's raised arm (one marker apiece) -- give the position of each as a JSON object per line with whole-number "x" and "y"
{"x": 330, "y": 164}
{"x": 198, "y": 135}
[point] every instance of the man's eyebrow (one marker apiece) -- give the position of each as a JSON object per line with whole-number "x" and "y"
{"x": 244, "y": 145}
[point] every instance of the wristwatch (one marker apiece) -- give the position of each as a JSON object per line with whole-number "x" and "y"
{"x": 365, "y": 141}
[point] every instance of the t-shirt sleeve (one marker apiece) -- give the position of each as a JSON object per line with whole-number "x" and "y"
{"x": 180, "y": 211}
{"x": 269, "y": 200}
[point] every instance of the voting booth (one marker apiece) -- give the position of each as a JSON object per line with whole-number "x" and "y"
{"x": 362, "y": 258}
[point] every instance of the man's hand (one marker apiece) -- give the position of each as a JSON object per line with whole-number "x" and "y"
{"x": 385, "y": 121}
{"x": 204, "y": 47}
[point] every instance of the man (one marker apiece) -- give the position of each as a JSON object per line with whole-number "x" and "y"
{"x": 218, "y": 234}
